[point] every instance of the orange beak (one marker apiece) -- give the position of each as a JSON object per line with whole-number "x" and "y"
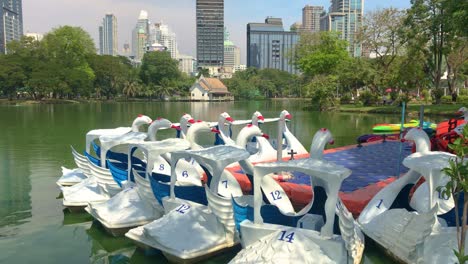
{"x": 230, "y": 119}
{"x": 261, "y": 118}
{"x": 175, "y": 127}
{"x": 214, "y": 130}
{"x": 191, "y": 121}
{"x": 288, "y": 116}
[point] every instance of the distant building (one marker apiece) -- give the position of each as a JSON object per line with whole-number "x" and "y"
{"x": 140, "y": 36}
{"x": 156, "y": 47}
{"x": 269, "y": 46}
{"x": 187, "y": 64}
{"x": 108, "y": 36}
{"x": 210, "y": 25}
{"x": 160, "y": 33}
{"x": 345, "y": 17}
{"x": 126, "y": 50}
{"x": 35, "y": 36}
{"x": 296, "y": 27}
{"x": 241, "y": 67}
{"x": 11, "y": 22}
{"x": 311, "y": 18}
{"x": 209, "y": 89}
{"x": 232, "y": 56}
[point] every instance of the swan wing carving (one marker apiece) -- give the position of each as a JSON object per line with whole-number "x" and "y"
{"x": 350, "y": 232}
{"x": 401, "y": 231}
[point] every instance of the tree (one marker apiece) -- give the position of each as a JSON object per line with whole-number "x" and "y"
{"x": 158, "y": 70}
{"x": 132, "y": 84}
{"x": 439, "y": 26}
{"x": 203, "y": 71}
{"x": 320, "y": 53}
{"x": 381, "y": 34}
{"x": 68, "y": 48}
{"x": 11, "y": 75}
{"x": 111, "y": 73}
{"x": 322, "y": 91}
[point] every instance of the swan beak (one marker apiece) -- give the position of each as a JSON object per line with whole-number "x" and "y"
{"x": 229, "y": 119}
{"x": 331, "y": 142}
{"x": 191, "y": 121}
{"x": 261, "y": 118}
{"x": 459, "y": 113}
{"x": 403, "y": 140}
{"x": 288, "y": 116}
{"x": 214, "y": 130}
{"x": 175, "y": 127}
{"x": 266, "y": 136}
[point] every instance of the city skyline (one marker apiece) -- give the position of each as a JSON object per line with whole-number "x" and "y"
{"x": 180, "y": 16}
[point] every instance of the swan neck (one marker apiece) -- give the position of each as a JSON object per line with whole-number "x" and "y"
{"x": 422, "y": 144}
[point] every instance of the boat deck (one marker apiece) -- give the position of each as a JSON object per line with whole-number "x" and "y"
{"x": 374, "y": 165}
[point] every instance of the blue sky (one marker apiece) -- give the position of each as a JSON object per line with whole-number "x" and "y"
{"x": 41, "y": 16}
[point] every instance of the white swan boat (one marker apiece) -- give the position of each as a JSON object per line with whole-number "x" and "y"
{"x": 209, "y": 223}
{"x": 74, "y": 176}
{"x": 322, "y": 232}
{"x": 419, "y": 230}
{"x": 137, "y": 205}
{"x": 101, "y": 186}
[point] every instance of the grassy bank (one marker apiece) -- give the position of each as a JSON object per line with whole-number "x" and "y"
{"x": 412, "y": 109}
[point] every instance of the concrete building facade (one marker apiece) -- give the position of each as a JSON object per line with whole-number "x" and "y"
{"x": 140, "y": 36}
{"x": 108, "y": 44}
{"x": 11, "y": 22}
{"x": 311, "y": 18}
{"x": 269, "y": 46}
{"x": 210, "y": 32}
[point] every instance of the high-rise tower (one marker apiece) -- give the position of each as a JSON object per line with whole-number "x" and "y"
{"x": 210, "y": 33}
{"x": 311, "y": 18}
{"x": 108, "y": 36}
{"x": 140, "y": 36}
{"x": 345, "y": 17}
{"x": 11, "y": 22}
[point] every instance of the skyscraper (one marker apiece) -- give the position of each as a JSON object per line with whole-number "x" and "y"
{"x": 345, "y": 17}
{"x": 231, "y": 53}
{"x": 161, "y": 34}
{"x": 269, "y": 46}
{"x": 210, "y": 27}
{"x": 140, "y": 36}
{"x": 11, "y": 22}
{"x": 108, "y": 36}
{"x": 311, "y": 18}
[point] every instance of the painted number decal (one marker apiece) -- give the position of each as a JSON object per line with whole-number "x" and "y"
{"x": 380, "y": 203}
{"x": 288, "y": 238}
{"x": 183, "y": 208}
{"x": 161, "y": 167}
{"x": 185, "y": 174}
{"x": 276, "y": 195}
{"x": 225, "y": 183}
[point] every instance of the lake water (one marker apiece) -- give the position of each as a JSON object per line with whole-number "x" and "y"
{"x": 35, "y": 142}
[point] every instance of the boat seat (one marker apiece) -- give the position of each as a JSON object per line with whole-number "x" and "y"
{"x": 162, "y": 189}
{"x": 94, "y": 160}
{"x": 242, "y": 211}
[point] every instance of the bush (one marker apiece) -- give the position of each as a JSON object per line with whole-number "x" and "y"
{"x": 367, "y": 98}
{"x": 462, "y": 99}
{"x": 345, "y": 99}
{"x": 446, "y": 99}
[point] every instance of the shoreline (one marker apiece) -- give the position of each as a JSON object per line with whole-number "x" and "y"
{"x": 412, "y": 109}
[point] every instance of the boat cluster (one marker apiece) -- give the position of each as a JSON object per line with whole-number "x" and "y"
{"x": 190, "y": 203}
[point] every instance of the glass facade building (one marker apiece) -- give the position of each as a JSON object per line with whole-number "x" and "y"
{"x": 108, "y": 36}
{"x": 345, "y": 17}
{"x": 11, "y": 22}
{"x": 311, "y": 18}
{"x": 210, "y": 32}
{"x": 269, "y": 46}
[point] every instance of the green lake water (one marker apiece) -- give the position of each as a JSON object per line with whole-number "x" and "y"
{"x": 35, "y": 142}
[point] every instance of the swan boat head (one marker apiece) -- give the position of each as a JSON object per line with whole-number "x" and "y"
{"x": 256, "y": 117}
{"x": 195, "y": 130}
{"x": 464, "y": 112}
{"x": 320, "y": 140}
{"x": 160, "y": 123}
{"x": 247, "y": 133}
{"x": 420, "y": 138}
{"x": 140, "y": 121}
{"x": 185, "y": 121}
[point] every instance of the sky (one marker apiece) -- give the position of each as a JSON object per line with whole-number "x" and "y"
{"x": 44, "y": 15}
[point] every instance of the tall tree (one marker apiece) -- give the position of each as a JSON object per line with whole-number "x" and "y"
{"x": 381, "y": 35}
{"x": 320, "y": 53}
{"x": 69, "y": 47}
{"x": 158, "y": 70}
